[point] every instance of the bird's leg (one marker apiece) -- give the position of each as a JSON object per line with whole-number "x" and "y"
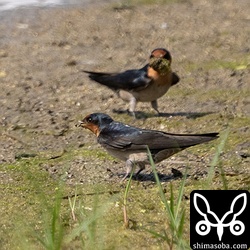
{"x": 130, "y": 165}
{"x": 155, "y": 106}
{"x": 132, "y": 105}
{"x": 141, "y": 167}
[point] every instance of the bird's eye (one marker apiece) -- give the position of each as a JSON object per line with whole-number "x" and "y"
{"x": 89, "y": 119}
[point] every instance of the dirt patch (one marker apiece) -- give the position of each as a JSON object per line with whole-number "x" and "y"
{"x": 44, "y": 91}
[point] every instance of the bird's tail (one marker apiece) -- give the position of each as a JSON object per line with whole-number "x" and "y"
{"x": 102, "y": 78}
{"x": 179, "y": 142}
{"x": 189, "y": 140}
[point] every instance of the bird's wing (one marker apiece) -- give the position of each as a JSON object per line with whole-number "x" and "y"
{"x": 117, "y": 136}
{"x": 131, "y": 138}
{"x": 127, "y": 80}
{"x": 157, "y": 140}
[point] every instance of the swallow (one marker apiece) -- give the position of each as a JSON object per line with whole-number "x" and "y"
{"x": 130, "y": 144}
{"x": 141, "y": 85}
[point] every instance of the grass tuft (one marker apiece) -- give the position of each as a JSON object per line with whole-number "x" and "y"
{"x": 174, "y": 211}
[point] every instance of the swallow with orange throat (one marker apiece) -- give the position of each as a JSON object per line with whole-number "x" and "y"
{"x": 141, "y": 85}
{"x": 130, "y": 144}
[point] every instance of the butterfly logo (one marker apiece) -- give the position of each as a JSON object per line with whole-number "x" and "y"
{"x": 203, "y": 227}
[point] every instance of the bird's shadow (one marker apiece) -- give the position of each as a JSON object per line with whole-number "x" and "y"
{"x": 150, "y": 177}
{"x": 189, "y": 115}
{"x": 176, "y": 174}
{"x": 143, "y": 115}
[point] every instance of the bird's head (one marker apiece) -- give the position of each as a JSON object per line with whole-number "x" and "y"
{"x": 95, "y": 122}
{"x": 160, "y": 60}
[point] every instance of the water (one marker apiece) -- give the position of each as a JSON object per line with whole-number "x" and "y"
{"x": 14, "y": 4}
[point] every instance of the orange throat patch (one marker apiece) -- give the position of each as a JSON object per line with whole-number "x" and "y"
{"x": 93, "y": 128}
{"x": 157, "y": 77}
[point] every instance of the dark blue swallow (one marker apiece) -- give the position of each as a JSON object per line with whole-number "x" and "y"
{"x": 130, "y": 143}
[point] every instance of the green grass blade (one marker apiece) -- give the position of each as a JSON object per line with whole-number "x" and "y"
{"x": 125, "y": 199}
{"x": 162, "y": 195}
{"x": 180, "y": 194}
{"x": 215, "y": 161}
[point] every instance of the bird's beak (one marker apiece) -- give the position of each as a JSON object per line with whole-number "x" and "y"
{"x": 81, "y": 124}
{"x": 92, "y": 127}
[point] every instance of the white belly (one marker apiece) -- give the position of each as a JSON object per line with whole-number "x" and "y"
{"x": 135, "y": 157}
{"x": 151, "y": 93}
